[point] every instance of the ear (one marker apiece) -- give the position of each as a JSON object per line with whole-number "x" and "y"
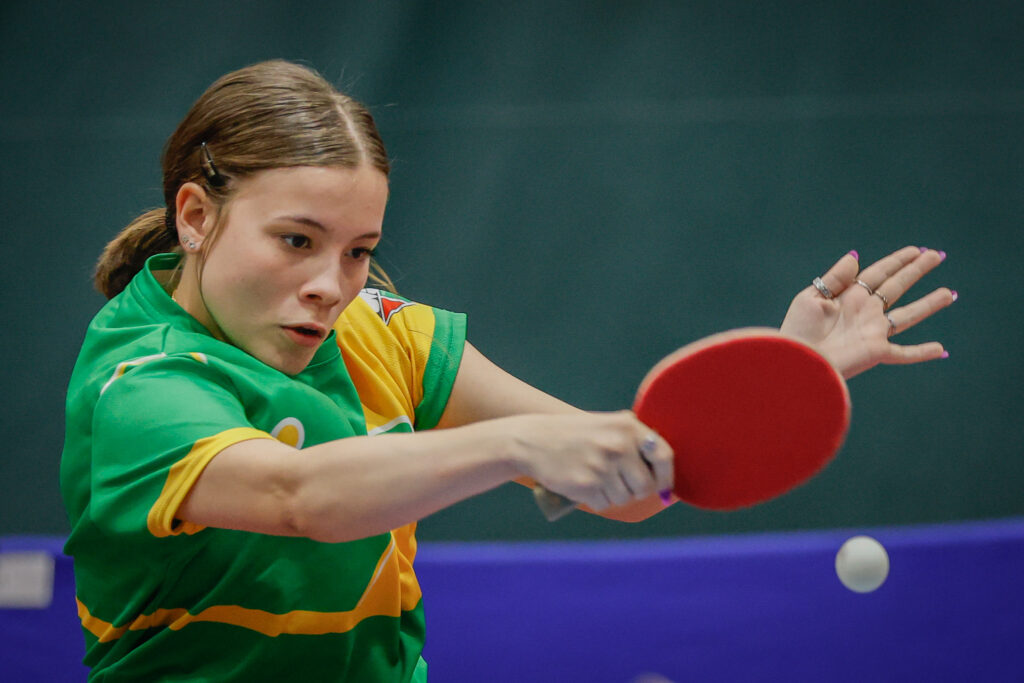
{"x": 196, "y": 215}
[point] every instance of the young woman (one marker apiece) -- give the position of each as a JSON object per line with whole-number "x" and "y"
{"x": 252, "y": 433}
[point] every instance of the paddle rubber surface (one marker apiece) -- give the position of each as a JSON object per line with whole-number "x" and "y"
{"x": 749, "y": 415}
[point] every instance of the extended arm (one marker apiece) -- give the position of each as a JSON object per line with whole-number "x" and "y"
{"x": 495, "y": 429}
{"x": 347, "y": 489}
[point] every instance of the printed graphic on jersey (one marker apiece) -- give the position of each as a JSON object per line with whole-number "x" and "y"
{"x": 290, "y": 431}
{"x": 123, "y": 367}
{"x": 384, "y": 305}
{"x": 387, "y": 427}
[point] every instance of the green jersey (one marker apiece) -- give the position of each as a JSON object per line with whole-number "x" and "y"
{"x": 153, "y": 398}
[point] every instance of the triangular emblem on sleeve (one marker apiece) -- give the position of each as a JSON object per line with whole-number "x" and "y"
{"x": 384, "y": 305}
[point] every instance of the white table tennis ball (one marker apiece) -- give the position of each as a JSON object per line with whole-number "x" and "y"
{"x": 862, "y": 564}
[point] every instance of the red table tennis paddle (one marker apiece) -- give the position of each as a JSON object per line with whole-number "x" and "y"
{"x": 749, "y": 413}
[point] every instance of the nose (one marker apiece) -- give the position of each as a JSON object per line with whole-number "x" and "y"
{"x": 324, "y": 287}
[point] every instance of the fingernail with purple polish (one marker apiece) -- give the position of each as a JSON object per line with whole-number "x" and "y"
{"x": 945, "y": 354}
{"x": 666, "y": 496}
{"x": 923, "y": 249}
{"x": 942, "y": 256}
{"x": 955, "y": 295}
{"x": 854, "y": 254}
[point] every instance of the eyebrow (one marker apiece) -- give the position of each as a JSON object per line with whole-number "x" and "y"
{"x": 305, "y": 220}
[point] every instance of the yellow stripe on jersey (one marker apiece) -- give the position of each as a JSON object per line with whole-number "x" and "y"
{"x": 405, "y": 543}
{"x": 380, "y": 598}
{"x": 386, "y": 362}
{"x": 183, "y": 475}
{"x": 123, "y": 367}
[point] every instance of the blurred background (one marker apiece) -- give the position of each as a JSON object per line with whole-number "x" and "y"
{"x": 595, "y": 184}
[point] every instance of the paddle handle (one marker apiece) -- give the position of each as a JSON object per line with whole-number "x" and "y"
{"x": 553, "y": 505}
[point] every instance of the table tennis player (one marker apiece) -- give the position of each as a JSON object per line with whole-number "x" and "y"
{"x": 252, "y": 432}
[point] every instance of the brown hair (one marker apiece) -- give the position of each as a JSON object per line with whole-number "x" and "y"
{"x": 273, "y": 114}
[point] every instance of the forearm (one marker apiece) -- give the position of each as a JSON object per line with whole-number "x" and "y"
{"x": 382, "y": 483}
{"x": 351, "y": 488}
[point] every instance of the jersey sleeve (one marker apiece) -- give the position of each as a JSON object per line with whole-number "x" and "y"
{"x": 437, "y": 361}
{"x": 155, "y": 428}
{"x": 402, "y": 356}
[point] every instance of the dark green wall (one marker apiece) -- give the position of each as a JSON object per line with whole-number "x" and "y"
{"x": 595, "y": 184}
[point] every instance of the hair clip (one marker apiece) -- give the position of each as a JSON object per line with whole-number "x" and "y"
{"x": 210, "y": 169}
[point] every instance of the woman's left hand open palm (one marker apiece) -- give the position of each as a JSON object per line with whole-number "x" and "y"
{"x": 853, "y": 329}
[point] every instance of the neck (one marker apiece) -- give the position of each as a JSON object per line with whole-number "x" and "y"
{"x": 188, "y": 294}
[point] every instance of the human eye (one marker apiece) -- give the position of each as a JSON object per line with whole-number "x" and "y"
{"x": 297, "y": 241}
{"x": 363, "y": 253}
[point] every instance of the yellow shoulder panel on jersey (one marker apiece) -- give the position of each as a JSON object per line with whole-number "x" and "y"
{"x": 386, "y": 343}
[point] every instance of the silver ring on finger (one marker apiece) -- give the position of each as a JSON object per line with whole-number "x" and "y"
{"x": 885, "y": 302}
{"x": 865, "y": 286}
{"x": 892, "y": 325}
{"x": 650, "y": 443}
{"x": 820, "y": 286}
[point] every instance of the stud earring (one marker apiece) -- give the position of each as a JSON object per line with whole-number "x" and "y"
{"x": 190, "y": 245}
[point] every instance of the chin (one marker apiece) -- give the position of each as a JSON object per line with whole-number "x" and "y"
{"x": 289, "y": 365}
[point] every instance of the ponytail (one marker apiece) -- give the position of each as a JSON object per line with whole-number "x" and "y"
{"x": 126, "y": 254}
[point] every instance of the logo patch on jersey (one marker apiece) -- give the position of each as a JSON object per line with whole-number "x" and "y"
{"x": 383, "y": 304}
{"x": 290, "y": 431}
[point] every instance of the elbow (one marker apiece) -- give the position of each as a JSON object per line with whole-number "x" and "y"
{"x": 633, "y": 517}
{"x": 628, "y": 516}
{"x": 293, "y": 517}
{"x": 298, "y": 510}
{"x": 638, "y": 511}
{"x": 312, "y": 511}
{"x": 301, "y": 518}
{"x": 301, "y": 514}
{"x": 316, "y": 529}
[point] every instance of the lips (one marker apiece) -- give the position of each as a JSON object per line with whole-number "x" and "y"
{"x": 307, "y": 334}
